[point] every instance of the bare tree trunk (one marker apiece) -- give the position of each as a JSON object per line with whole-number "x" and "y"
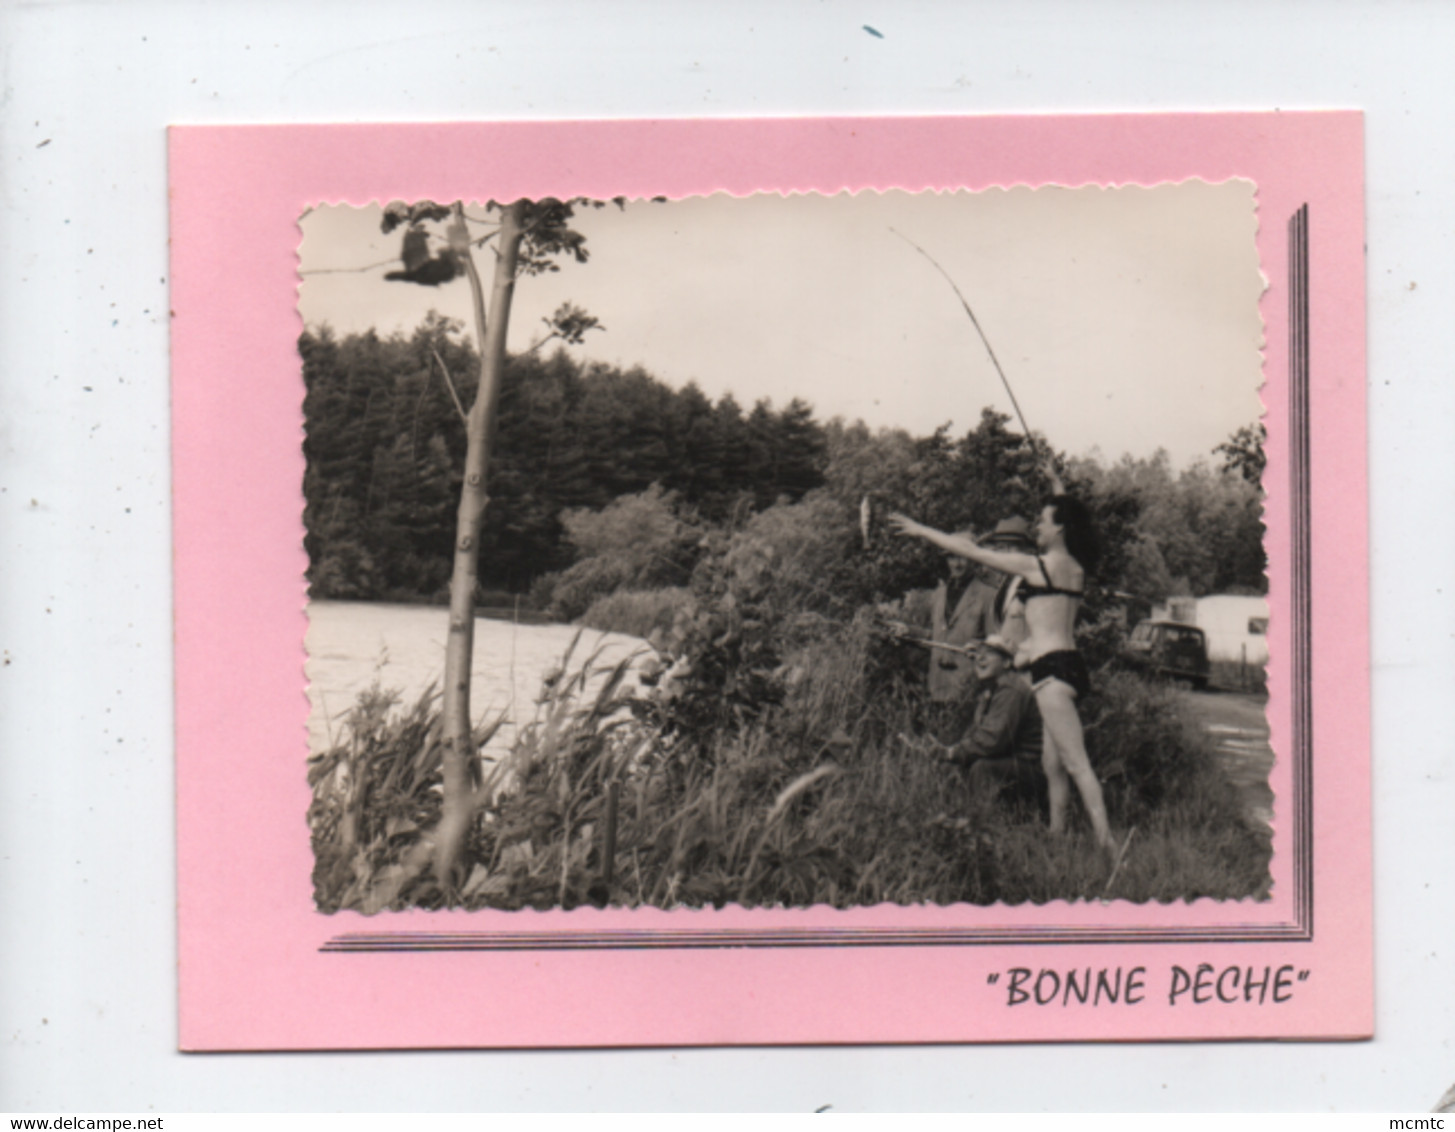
{"x": 459, "y": 750}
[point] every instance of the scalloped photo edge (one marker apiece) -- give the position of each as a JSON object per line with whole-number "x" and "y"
{"x": 611, "y": 969}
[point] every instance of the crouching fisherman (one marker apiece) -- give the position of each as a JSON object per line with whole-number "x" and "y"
{"x": 1001, "y": 750}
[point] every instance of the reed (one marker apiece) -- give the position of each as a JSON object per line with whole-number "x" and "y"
{"x": 816, "y": 801}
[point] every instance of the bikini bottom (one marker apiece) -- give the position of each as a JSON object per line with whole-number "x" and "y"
{"x": 1065, "y": 665}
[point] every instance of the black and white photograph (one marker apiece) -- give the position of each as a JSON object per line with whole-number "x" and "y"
{"x": 786, "y": 550}
{"x": 285, "y": 832}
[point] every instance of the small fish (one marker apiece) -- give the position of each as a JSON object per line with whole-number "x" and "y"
{"x": 866, "y": 515}
{"x": 875, "y": 32}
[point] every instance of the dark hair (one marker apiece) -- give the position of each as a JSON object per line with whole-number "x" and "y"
{"x": 1082, "y": 541}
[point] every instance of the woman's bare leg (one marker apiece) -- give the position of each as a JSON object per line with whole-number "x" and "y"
{"x": 1058, "y": 787}
{"x": 1063, "y": 726}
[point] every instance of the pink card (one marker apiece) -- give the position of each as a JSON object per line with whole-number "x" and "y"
{"x": 848, "y": 788}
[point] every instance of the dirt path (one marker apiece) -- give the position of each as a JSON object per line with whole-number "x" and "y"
{"x": 1237, "y": 723}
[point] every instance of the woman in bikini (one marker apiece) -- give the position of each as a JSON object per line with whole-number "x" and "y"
{"x": 1051, "y": 583}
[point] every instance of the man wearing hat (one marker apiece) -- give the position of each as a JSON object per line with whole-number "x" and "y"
{"x": 963, "y": 612}
{"x": 1001, "y": 749}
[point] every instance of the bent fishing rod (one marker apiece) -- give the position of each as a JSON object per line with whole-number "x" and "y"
{"x": 975, "y": 322}
{"x": 865, "y": 505}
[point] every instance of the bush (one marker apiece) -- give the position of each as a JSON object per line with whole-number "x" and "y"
{"x": 1101, "y": 635}
{"x": 810, "y": 551}
{"x": 373, "y": 793}
{"x": 344, "y": 572}
{"x": 1139, "y": 742}
{"x": 637, "y": 613}
{"x": 814, "y": 796}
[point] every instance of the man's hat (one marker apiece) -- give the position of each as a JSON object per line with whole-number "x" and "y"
{"x": 1014, "y": 531}
{"x": 999, "y": 644}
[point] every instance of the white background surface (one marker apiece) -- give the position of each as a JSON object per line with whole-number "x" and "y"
{"x": 87, "y": 987}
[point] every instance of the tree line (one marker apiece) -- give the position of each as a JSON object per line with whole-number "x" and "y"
{"x": 578, "y": 442}
{"x": 385, "y": 440}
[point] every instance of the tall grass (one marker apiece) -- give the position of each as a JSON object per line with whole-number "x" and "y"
{"x": 1236, "y": 676}
{"x": 816, "y": 800}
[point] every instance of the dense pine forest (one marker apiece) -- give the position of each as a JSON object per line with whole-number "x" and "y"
{"x": 385, "y": 443}
{"x": 591, "y": 460}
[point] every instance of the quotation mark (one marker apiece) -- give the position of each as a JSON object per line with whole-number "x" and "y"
{"x": 1302, "y": 976}
{"x": 993, "y": 978}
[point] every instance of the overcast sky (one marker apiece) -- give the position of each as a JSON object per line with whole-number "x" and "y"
{"x": 1126, "y": 318}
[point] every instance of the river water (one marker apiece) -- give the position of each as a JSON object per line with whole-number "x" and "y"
{"x": 354, "y": 645}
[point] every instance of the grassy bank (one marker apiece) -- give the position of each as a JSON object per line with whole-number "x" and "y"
{"x": 814, "y": 799}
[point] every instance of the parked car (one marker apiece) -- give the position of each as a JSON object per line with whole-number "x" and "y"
{"x": 1170, "y": 650}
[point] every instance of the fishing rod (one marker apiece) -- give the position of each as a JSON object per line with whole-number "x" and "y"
{"x": 899, "y": 631}
{"x": 1030, "y": 439}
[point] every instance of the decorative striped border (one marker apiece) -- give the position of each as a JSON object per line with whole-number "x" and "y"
{"x": 1300, "y": 491}
{"x": 688, "y": 939}
{"x": 1299, "y": 930}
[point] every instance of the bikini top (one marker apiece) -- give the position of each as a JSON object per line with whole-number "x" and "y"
{"x": 1029, "y": 589}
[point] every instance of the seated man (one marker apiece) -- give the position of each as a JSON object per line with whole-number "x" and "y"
{"x": 1002, "y": 748}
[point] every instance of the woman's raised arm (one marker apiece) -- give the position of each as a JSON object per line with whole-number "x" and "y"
{"x": 1007, "y": 562}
